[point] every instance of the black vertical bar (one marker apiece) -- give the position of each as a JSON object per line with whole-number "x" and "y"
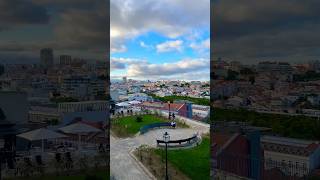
{"x": 167, "y": 161}
{"x": 108, "y": 123}
{"x": 211, "y": 86}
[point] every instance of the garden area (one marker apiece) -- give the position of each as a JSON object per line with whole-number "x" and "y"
{"x": 128, "y": 126}
{"x": 285, "y": 125}
{"x": 199, "y": 101}
{"x": 191, "y": 163}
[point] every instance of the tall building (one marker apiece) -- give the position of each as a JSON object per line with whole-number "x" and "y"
{"x": 46, "y": 57}
{"x": 124, "y": 79}
{"x": 314, "y": 65}
{"x": 275, "y": 67}
{"x": 65, "y": 60}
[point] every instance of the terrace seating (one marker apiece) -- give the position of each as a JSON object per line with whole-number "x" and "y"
{"x": 179, "y": 143}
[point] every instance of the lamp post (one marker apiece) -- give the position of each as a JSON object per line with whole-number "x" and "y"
{"x": 169, "y": 111}
{"x": 166, "y": 139}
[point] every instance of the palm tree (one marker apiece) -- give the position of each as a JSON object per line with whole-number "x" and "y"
{"x": 1, "y": 69}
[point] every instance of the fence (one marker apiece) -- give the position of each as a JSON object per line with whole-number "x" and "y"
{"x": 146, "y": 128}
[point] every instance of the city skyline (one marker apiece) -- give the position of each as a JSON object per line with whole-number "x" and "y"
{"x": 160, "y": 40}
{"x": 76, "y": 29}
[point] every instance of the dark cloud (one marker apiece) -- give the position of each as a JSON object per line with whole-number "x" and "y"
{"x": 250, "y": 31}
{"x": 21, "y": 12}
{"x": 79, "y": 28}
{"x": 76, "y": 26}
{"x": 116, "y": 65}
{"x": 61, "y": 5}
{"x": 18, "y": 57}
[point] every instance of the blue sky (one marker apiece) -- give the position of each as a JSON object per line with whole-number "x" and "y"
{"x": 160, "y": 40}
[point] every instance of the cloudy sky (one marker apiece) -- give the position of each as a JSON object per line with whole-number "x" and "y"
{"x": 252, "y": 31}
{"x": 167, "y": 39}
{"x": 75, "y": 27}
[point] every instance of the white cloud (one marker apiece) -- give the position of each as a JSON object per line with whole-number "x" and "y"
{"x": 203, "y": 45}
{"x": 184, "y": 66}
{"x": 171, "y": 18}
{"x": 144, "y": 45}
{"x": 118, "y": 48}
{"x": 187, "y": 69}
{"x": 168, "y": 46}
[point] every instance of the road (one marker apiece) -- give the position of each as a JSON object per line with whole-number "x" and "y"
{"x": 125, "y": 167}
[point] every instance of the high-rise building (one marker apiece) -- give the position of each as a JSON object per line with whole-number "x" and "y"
{"x": 65, "y": 60}
{"x": 124, "y": 79}
{"x": 46, "y": 57}
{"x": 314, "y": 66}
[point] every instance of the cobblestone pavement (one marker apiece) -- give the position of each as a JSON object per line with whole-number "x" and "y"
{"x": 124, "y": 167}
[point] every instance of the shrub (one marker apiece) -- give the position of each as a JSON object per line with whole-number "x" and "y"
{"x": 139, "y": 119}
{"x": 92, "y": 177}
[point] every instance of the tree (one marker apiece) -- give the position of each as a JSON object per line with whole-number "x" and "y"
{"x": 2, "y": 115}
{"x": 232, "y": 75}
{"x": 1, "y": 69}
{"x": 139, "y": 119}
{"x": 315, "y": 130}
{"x": 246, "y": 71}
{"x": 252, "y": 80}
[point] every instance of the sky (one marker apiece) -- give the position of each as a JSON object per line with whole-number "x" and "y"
{"x": 73, "y": 27}
{"x": 251, "y": 31}
{"x": 160, "y": 40}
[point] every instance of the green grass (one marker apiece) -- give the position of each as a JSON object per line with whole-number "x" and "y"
{"x": 128, "y": 126}
{"x": 199, "y": 101}
{"x": 285, "y": 125}
{"x": 195, "y": 162}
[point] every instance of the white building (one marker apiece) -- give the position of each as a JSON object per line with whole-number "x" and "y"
{"x": 200, "y": 111}
{"x": 114, "y": 95}
{"x": 142, "y": 97}
{"x": 292, "y": 156}
{"x": 163, "y": 93}
{"x": 314, "y": 100}
{"x": 82, "y": 87}
{"x": 83, "y": 106}
{"x": 39, "y": 114}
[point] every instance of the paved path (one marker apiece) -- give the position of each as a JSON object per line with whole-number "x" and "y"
{"x": 124, "y": 167}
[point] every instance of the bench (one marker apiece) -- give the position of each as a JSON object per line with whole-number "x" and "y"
{"x": 178, "y": 143}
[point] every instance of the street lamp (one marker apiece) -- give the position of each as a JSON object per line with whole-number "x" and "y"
{"x": 166, "y": 139}
{"x": 169, "y": 110}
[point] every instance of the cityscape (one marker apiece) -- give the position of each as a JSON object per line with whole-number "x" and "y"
{"x": 265, "y": 90}
{"x": 179, "y": 108}
{"x": 170, "y": 89}
{"x": 160, "y": 90}
{"x": 271, "y": 110}
{"x": 54, "y": 90}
